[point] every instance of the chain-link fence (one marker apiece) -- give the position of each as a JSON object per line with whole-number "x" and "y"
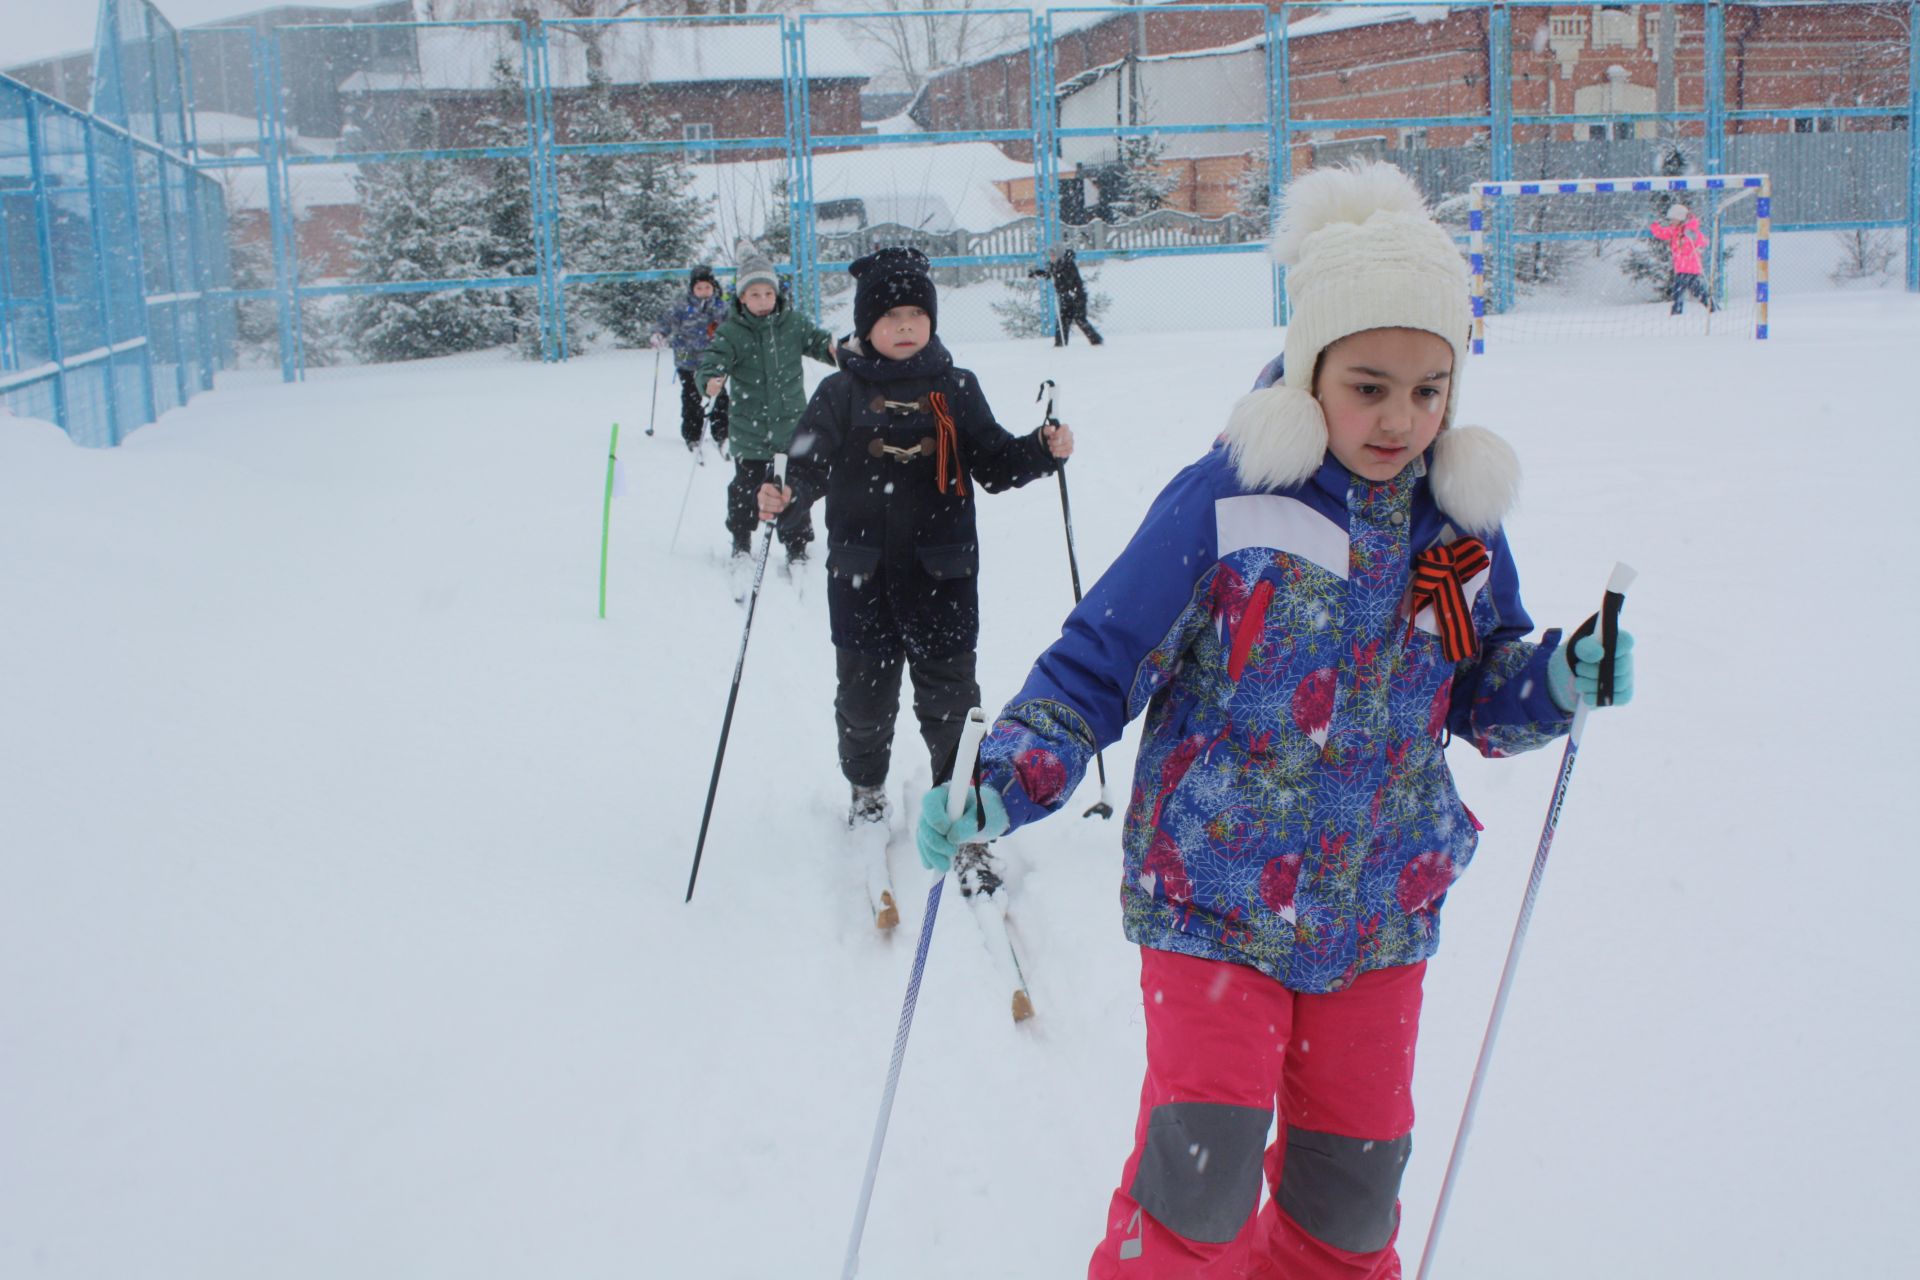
{"x": 111, "y": 243}
{"x": 310, "y": 194}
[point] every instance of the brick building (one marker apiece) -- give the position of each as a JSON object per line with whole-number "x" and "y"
{"x": 1157, "y": 65}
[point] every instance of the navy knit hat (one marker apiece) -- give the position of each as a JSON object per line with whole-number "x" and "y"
{"x": 702, "y": 272}
{"x": 890, "y": 278}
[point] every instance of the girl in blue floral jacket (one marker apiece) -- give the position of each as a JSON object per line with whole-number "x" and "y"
{"x": 1304, "y": 617}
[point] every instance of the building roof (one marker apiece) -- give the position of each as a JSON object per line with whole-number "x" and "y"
{"x": 462, "y": 58}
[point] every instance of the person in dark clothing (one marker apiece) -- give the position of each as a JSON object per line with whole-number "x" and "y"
{"x": 898, "y": 441}
{"x": 687, "y": 330}
{"x": 1071, "y": 291}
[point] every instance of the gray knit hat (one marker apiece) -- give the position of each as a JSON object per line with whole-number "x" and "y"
{"x": 753, "y": 267}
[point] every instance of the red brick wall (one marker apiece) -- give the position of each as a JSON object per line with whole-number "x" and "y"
{"x": 1776, "y": 58}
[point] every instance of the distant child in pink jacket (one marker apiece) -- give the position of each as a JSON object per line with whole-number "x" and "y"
{"x": 1681, "y": 232}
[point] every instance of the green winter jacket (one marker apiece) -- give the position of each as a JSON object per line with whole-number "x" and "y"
{"x": 760, "y": 355}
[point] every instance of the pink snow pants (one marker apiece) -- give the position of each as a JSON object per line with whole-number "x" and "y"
{"x": 1225, "y": 1045}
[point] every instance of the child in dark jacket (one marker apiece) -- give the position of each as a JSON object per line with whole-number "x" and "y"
{"x": 900, "y": 441}
{"x": 1303, "y": 618}
{"x": 688, "y": 328}
{"x": 1071, "y": 291}
{"x": 759, "y": 347}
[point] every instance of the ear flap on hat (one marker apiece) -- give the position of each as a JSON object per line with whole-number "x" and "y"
{"x": 1277, "y": 436}
{"x": 1475, "y": 478}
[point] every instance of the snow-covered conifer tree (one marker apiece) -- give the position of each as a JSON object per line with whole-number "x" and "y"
{"x": 422, "y": 220}
{"x": 625, "y": 213}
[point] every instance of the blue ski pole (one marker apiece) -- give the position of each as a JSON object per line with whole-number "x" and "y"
{"x": 1623, "y": 576}
{"x": 963, "y": 761}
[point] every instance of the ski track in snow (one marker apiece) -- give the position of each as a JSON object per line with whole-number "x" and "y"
{"x": 344, "y": 848}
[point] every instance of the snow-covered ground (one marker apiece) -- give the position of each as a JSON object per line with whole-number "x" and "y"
{"x": 342, "y": 848}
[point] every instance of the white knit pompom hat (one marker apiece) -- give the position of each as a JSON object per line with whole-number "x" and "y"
{"x": 1363, "y": 252}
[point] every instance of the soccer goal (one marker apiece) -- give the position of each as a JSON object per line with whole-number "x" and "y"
{"x": 1620, "y": 257}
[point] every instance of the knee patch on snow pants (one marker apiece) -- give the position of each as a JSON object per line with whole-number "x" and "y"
{"x": 1344, "y": 1191}
{"x": 1199, "y": 1175}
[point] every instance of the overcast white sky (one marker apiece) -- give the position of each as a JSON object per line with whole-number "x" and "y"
{"x": 31, "y": 29}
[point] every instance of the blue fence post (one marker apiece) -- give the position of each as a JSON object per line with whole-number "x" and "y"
{"x": 43, "y": 235}
{"x": 199, "y": 253}
{"x": 1913, "y": 147}
{"x": 137, "y": 252}
{"x": 805, "y": 216}
{"x": 1046, "y": 154}
{"x": 533, "y": 75}
{"x": 1279, "y": 143}
{"x": 9, "y": 348}
{"x": 103, "y": 287}
{"x": 1500, "y": 126}
{"x": 168, "y": 237}
{"x": 1716, "y": 87}
{"x": 279, "y": 235}
{"x": 556, "y": 247}
{"x": 806, "y": 292}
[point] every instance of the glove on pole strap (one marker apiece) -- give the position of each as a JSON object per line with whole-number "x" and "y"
{"x": 1608, "y": 622}
{"x": 1440, "y": 575}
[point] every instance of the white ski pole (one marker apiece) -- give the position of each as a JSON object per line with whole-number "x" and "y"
{"x": 1623, "y": 576}
{"x": 963, "y": 762}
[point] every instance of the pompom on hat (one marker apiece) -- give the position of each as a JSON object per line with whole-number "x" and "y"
{"x": 1363, "y": 252}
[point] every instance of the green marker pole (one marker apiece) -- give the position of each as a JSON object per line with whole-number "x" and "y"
{"x": 606, "y": 514}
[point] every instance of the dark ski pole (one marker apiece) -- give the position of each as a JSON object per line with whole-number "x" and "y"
{"x": 653, "y": 410}
{"x": 733, "y": 694}
{"x": 1048, "y": 393}
{"x": 1609, "y": 619}
{"x": 963, "y": 763}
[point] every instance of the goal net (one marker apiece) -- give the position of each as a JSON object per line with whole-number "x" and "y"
{"x": 1620, "y": 257}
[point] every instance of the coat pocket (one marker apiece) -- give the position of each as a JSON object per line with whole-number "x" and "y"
{"x": 846, "y": 560}
{"x": 958, "y": 560}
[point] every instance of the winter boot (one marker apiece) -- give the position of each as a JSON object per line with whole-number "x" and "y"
{"x": 975, "y": 868}
{"x": 740, "y": 573}
{"x": 980, "y": 885}
{"x": 869, "y": 804}
{"x": 867, "y": 815}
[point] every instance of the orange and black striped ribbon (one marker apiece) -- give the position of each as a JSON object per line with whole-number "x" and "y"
{"x": 947, "y": 451}
{"x": 1439, "y": 576}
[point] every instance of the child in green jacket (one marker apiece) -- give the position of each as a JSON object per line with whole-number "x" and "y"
{"x": 759, "y": 347}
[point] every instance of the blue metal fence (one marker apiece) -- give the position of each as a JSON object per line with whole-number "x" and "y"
{"x": 112, "y": 242}
{"x": 126, "y": 281}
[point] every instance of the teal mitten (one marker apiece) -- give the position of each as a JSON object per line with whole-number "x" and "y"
{"x": 940, "y": 839}
{"x": 1580, "y": 669}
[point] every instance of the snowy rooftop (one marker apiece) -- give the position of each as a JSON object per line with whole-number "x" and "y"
{"x": 1340, "y": 16}
{"x": 939, "y": 187}
{"x": 462, "y": 58}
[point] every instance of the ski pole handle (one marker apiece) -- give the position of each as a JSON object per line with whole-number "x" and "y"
{"x": 1610, "y": 605}
{"x": 1049, "y": 394}
{"x": 963, "y": 762}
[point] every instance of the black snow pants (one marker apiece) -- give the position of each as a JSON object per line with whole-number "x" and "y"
{"x": 794, "y": 525}
{"x": 691, "y": 412}
{"x": 868, "y": 700}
